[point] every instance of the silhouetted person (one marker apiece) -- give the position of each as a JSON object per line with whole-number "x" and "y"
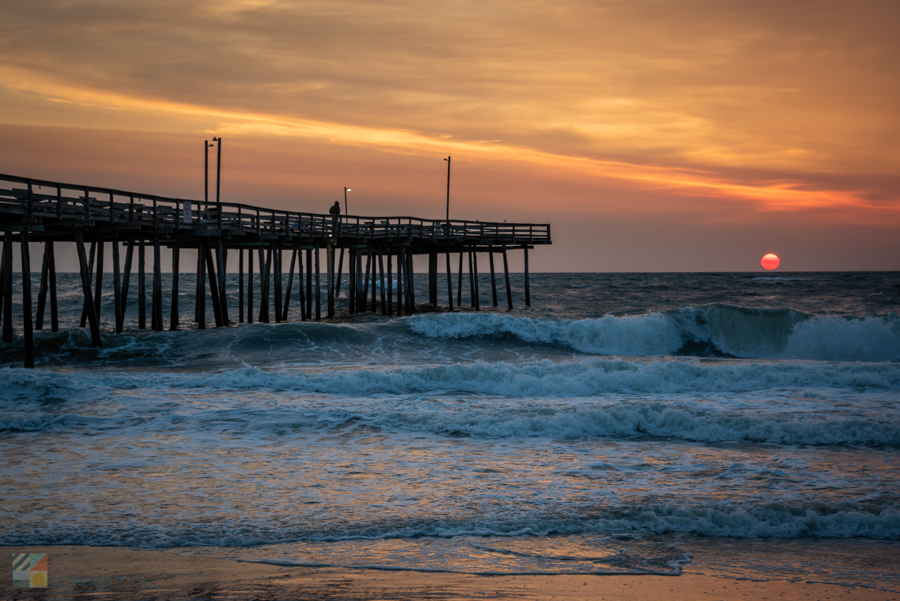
{"x": 335, "y": 211}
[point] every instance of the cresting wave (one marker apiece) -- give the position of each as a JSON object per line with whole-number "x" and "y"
{"x": 714, "y": 520}
{"x": 721, "y": 329}
{"x": 577, "y": 377}
{"x": 501, "y": 413}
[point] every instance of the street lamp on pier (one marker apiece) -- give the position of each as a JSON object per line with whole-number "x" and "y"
{"x": 218, "y": 167}
{"x": 448, "y": 188}
{"x": 206, "y": 147}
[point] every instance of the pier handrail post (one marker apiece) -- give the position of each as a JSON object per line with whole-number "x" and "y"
{"x": 112, "y": 210}
{"x": 87, "y": 204}
{"x": 59, "y": 201}
{"x": 131, "y": 209}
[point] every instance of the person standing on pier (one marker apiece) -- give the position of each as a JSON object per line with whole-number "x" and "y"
{"x": 335, "y": 217}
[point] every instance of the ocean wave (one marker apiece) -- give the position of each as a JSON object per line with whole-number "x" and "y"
{"x": 584, "y": 377}
{"x": 751, "y": 521}
{"x": 723, "y": 329}
{"x": 594, "y": 387}
{"x": 634, "y": 419}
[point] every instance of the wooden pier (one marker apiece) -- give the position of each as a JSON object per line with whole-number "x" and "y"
{"x": 377, "y": 250}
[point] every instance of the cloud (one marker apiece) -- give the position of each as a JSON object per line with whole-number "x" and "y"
{"x": 762, "y": 101}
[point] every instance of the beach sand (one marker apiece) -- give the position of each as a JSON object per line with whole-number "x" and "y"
{"x": 142, "y": 574}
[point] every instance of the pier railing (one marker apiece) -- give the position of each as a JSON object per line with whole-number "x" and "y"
{"x": 35, "y": 200}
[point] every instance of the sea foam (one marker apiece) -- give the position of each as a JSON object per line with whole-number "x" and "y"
{"x": 735, "y": 331}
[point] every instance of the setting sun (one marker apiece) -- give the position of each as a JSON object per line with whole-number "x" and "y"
{"x": 770, "y": 261}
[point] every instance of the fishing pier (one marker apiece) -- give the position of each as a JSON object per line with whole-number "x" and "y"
{"x": 378, "y": 250}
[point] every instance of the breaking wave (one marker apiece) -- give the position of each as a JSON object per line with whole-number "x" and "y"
{"x": 722, "y": 330}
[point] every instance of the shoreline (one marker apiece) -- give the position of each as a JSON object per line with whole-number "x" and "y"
{"x": 125, "y": 573}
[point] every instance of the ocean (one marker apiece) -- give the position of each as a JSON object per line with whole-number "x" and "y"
{"x": 734, "y": 424}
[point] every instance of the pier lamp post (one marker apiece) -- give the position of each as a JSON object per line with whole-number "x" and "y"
{"x": 218, "y": 167}
{"x": 448, "y": 188}
{"x": 346, "y": 189}
{"x": 206, "y": 147}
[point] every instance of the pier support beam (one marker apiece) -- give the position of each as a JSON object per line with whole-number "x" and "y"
{"x": 173, "y": 312}
{"x": 156, "y": 322}
{"x": 351, "y": 281}
{"x": 374, "y": 278}
{"x": 309, "y": 286}
{"x": 493, "y": 278}
{"x": 126, "y": 277}
{"x": 432, "y": 278}
{"x": 290, "y": 284}
{"x": 6, "y": 283}
{"x": 329, "y": 263}
{"x": 471, "y": 283}
{"x": 449, "y": 282}
{"x": 400, "y": 288}
{"x": 241, "y": 285}
{"x": 42, "y": 291}
{"x": 117, "y": 288}
{"x": 142, "y": 288}
{"x": 459, "y": 281}
{"x": 390, "y": 285}
{"x": 302, "y": 300}
{"x": 249, "y": 285}
{"x": 410, "y": 283}
{"x": 222, "y": 261}
{"x": 318, "y": 284}
{"x": 200, "y": 299}
{"x": 265, "y": 265}
{"x": 357, "y": 282}
{"x": 84, "y": 314}
{"x": 509, "y": 300}
{"x": 365, "y": 288}
{"x": 98, "y": 281}
{"x": 383, "y": 283}
{"x": 27, "y": 324}
{"x": 475, "y": 279}
{"x": 213, "y": 283}
{"x": 54, "y": 310}
{"x": 337, "y": 287}
{"x": 277, "y": 255}
{"x": 86, "y": 289}
{"x": 527, "y": 283}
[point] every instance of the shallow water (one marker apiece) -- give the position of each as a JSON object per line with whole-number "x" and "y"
{"x": 736, "y": 424}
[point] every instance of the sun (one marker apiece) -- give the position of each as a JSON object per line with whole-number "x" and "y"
{"x": 770, "y": 261}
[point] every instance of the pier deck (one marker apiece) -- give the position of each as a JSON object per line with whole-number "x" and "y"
{"x": 33, "y": 210}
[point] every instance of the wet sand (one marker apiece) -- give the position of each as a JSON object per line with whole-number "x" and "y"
{"x": 142, "y": 574}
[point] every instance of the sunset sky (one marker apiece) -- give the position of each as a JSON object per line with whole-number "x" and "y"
{"x": 680, "y": 135}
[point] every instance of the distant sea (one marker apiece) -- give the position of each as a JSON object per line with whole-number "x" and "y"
{"x": 733, "y": 424}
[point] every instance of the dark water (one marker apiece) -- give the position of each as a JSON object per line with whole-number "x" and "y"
{"x": 733, "y": 424}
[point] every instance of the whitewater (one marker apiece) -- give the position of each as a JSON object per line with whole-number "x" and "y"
{"x": 625, "y": 423}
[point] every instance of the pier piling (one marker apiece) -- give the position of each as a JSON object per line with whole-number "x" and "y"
{"x": 86, "y": 290}
{"x": 27, "y": 324}
{"x": 173, "y": 310}
{"x": 126, "y": 276}
{"x": 42, "y": 290}
{"x": 117, "y": 288}
{"x": 142, "y": 288}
